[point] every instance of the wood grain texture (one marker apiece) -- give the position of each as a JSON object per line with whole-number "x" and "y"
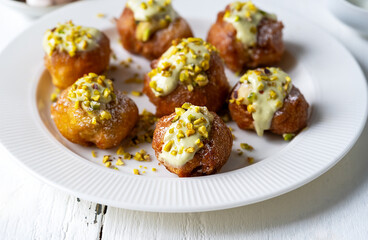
{"x": 30, "y": 209}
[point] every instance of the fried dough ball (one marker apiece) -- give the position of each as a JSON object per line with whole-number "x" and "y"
{"x": 247, "y": 37}
{"x": 192, "y": 141}
{"x": 257, "y": 102}
{"x": 72, "y": 51}
{"x": 190, "y": 71}
{"x": 148, "y": 28}
{"x": 91, "y": 112}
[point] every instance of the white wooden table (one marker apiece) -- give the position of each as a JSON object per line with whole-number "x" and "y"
{"x": 334, "y": 206}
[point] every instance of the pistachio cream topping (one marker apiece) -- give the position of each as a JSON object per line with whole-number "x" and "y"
{"x": 191, "y": 125}
{"x": 151, "y": 16}
{"x": 245, "y": 17}
{"x": 186, "y": 62}
{"x": 93, "y": 92}
{"x": 70, "y": 38}
{"x": 263, "y": 91}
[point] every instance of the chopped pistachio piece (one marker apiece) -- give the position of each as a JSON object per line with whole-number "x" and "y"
{"x": 246, "y": 146}
{"x": 288, "y": 136}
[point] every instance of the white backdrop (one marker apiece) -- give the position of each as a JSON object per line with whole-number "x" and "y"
{"x": 334, "y": 206}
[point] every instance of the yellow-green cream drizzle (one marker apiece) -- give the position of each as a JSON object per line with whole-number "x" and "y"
{"x": 263, "y": 91}
{"x": 184, "y": 62}
{"x": 93, "y": 92}
{"x": 185, "y": 136}
{"x": 70, "y": 38}
{"x": 151, "y": 16}
{"x": 245, "y": 17}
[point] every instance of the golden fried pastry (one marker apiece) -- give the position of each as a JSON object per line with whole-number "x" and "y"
{"x": 189, "y": 71}
{"x": 247, "y": 37}
{"x": 91, "y": 112}
{"x": 192, "y": 141}
{"x": 265, "y": 99}
{"x": 72, "y": 51}
{"x": 148, "y": 27}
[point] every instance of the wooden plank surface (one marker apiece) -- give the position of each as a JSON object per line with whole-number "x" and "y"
{"x": 30, "y": 209}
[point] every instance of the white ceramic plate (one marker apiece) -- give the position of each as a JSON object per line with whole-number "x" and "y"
{"x": 320, "y": 67}
{"x": 353, "y": 13}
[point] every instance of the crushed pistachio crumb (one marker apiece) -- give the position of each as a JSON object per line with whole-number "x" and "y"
{"x": 120, "y": 162}
{"x": 185, "y": 62}
{"x": 288, "y": 136}
{"x": 251, "y": 109}
{"x": 70, "y": 38}
{"x": 142, "y": 155}
{"x": 93, "y": 93}
{"x": 136, "y": 93}
{"x": 55, "y": 95}
{"x": 262, "y": 91}
{"x": 126, "y": 63}
{"x": 127, "y": 156}
{"x": 120, "y": 150}
{"x": 151, "y": 16}
{"x": 187, "y": 134}
{"x": 106, "y": 159}
{"x": 239, "y": 152}
{"x": 246, "y": 146}
{"x": 143, "y": 131}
